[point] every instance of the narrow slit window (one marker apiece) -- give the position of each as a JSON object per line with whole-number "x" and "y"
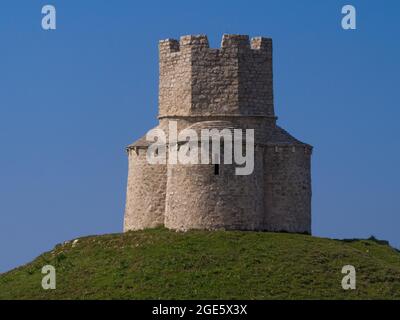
{"x": 216, "y": 169}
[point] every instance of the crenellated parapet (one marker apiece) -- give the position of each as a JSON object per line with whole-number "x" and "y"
{"x": 235, "y": 79}
{"x": 229, "y": 42}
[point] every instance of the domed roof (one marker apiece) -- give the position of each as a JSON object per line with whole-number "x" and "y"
{"x": 279, "y": 136}
{"x": 143, "y": 142}
{"x": 214, "y": 127}
{"x": 282, "y": 137}
{"x": 214, "y": 124}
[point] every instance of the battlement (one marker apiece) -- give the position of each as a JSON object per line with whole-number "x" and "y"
{"x": 229, "y": 41}
{"x": 196, "y": 80}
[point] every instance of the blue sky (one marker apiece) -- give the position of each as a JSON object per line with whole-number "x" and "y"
{"x": 73, "y": 98}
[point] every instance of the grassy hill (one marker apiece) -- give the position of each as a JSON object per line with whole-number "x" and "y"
{"x": 161, "y": 264}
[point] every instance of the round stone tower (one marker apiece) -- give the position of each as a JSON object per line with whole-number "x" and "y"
{"x": 230, "y": 88}
{"x": 145, "y": 198}
{"x": 212, "y": 196}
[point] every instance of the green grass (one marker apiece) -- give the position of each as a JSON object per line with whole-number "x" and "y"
{"x": 162, "y": 264}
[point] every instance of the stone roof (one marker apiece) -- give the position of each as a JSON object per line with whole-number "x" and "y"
{"x": 279, "y": 135}
{"x": 213, "y": 124}
{"x": 142, "y": 142}
{"x": 210, "y": 125}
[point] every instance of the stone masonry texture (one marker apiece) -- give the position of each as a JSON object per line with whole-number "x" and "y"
{"x": 230, "y": 87}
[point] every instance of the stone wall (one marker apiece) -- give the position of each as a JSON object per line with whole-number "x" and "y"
{"x": 197, "y": 198}
{"x": 287, "y": 196}
{"x": 145, "y": 197}
{"x": 255, "y": 78}
{"x": 197, "y": 80}
{"x": 175, "y": 78}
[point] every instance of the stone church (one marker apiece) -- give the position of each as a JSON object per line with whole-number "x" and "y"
{"x": 229, "y": 87}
